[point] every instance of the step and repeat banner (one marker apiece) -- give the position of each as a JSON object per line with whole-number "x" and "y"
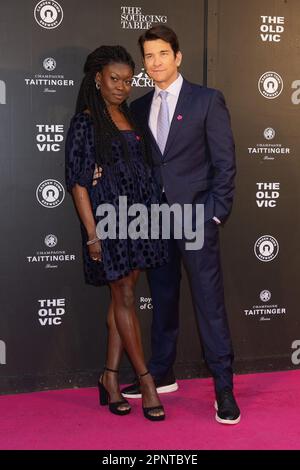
{"x": 52, "y": 325}
{"x": 253, "y": 51}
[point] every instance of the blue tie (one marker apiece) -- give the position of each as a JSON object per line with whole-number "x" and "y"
{"x": 163, "y": 123}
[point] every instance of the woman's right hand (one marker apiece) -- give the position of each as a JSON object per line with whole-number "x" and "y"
{"x": 95, "y": 251}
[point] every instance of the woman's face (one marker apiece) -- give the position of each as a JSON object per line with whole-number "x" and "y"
{"x": 115, "y": 83}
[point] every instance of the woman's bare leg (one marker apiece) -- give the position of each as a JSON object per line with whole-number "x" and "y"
{"x": 127, "y": 324}
{"x": 113, "y": 358}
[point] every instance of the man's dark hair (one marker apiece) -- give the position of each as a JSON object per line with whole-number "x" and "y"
{"x": 162, "y": 32}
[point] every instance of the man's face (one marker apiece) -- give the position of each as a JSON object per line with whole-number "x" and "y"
{"x": 160, "y": 62}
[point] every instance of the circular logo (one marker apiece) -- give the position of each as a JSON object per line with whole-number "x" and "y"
{"x": 266, "y": 248}
{"x": 49, "y": 64}
{"x": 265, "y": 295}
{"x": 48, "y": 14}
{"x": 269, "y": 133}
{"x": 50, "y": 193}
{"x": 50, "y": 240}
{"x": 270, "y": 85}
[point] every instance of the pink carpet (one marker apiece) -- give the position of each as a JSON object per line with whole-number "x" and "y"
{"x": 72, "y": 419}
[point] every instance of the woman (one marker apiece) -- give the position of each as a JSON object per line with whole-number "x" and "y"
{"x": 103, "y": 133}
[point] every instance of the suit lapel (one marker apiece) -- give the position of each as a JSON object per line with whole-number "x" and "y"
{"x": 176, "y": 124}
{"x": 180, "y": 114}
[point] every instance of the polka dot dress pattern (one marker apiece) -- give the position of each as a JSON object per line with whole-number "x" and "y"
{"x": 132, "y": 178}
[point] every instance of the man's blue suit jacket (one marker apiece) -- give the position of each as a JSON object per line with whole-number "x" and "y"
{"x": 198, "y": 164}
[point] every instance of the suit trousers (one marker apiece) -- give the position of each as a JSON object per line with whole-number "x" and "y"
{"x": 205, "y": 277}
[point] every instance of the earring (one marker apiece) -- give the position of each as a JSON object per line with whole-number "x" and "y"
{"x": 97, "y": 85}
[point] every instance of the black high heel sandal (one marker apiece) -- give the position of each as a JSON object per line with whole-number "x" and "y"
{"x": 104, "y": 398}
{"x": 147, "y": 410}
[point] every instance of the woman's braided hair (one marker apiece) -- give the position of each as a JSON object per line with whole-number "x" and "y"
{"x": 90, "y": 98}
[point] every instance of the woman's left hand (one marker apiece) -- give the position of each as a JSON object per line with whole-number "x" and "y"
{"x": 95, "y": 251}
{"x": 97, "y": 174}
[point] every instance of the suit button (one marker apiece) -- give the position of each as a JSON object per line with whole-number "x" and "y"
{"x": 164, "y": 164}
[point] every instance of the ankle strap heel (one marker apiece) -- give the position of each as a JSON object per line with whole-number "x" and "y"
{"x": 104, "y": 397}
{"x": 143, "y": 375}
{"x": 150, "y": 410}
{"x": 110, "y": 370}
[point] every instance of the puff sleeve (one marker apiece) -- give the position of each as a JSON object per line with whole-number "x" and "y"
{"x": 79, "y": 155}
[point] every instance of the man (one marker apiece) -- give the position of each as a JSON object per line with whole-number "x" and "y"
{"x": 193, "y": 151}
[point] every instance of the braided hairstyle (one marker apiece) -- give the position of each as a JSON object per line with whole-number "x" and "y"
{"x": 90, "y": 98}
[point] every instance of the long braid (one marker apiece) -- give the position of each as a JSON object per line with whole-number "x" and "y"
{"x": 90, "y": 98}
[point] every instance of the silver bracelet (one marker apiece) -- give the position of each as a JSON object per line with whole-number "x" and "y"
{"x": 91, "y": 242}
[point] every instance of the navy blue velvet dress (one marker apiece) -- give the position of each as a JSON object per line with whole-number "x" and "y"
{"x": 132, "y": 178}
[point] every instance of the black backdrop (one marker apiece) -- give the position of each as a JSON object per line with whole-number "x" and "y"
{"x": 52, "y": 325}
